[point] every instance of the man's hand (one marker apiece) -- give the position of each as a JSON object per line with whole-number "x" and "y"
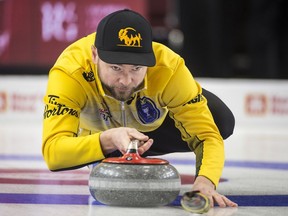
{"x": 206, "y": 187}
{"x": 119, "y": 139}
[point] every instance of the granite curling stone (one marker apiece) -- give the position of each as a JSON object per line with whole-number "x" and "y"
{"x": 134, "y": 181}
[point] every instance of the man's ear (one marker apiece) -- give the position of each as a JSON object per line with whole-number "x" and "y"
{"x": 94, "y": 54}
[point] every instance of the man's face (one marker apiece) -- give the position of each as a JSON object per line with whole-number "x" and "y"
{"x": 121, "y": 80}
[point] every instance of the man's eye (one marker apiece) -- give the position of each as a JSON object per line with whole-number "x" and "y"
{"x": 137, "y": 68}
{"x": 115, "y": 68}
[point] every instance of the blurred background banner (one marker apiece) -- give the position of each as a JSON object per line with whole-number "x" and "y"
{"x": 33, "y": 33}
{"x": 255, "y": 103}
{"x": 237, "y": 49}
{"x": 217, "y": 38}
{"x": 21, "y": 99}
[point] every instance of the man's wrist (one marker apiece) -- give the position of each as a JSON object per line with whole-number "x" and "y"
{"x": 205, "y": 180}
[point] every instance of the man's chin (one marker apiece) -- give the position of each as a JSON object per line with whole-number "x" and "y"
{"x": 122, "y": 97}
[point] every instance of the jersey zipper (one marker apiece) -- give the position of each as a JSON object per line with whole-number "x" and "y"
{"x": 123, "y": 114}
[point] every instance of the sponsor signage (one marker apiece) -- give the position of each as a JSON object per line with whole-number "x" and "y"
{"x": 261, "y": 103}
{"x": 35, "y": 32}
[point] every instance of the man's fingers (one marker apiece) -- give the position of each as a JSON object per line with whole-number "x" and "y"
{"x": 230, "y": 203}
{"x": 223, "y": 201}
{"x": 211, "y": 201}
{"x": 134, "y": 134}
{"x": 219, "y": 199}
{"x": 145, "y": 146}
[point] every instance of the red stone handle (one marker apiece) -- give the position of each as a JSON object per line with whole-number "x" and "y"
{"x": 132, "y": 157}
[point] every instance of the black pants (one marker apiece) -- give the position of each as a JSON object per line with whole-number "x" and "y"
{"x": 167, "y": 138}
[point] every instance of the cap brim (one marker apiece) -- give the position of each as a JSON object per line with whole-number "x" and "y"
{"x": 143, "y": 59}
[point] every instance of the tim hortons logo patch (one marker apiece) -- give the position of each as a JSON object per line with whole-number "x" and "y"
{"x": 57, "y": 109}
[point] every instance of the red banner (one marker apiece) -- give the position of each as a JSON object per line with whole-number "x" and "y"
{"x": 35, "y": 32}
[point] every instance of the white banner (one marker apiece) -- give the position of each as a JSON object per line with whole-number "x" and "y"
{"x": 21, "y": 98}
{"x": 255, "y": 103}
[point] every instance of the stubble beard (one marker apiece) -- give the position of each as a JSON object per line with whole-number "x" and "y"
{"x": 123, "y": 95}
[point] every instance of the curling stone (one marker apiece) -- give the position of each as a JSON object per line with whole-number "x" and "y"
{"x": 131, "y": 180}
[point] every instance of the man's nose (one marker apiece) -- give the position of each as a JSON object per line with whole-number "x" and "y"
{"x": 125, "y": 79}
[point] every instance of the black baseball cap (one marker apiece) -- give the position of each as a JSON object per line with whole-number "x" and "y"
{"x": 125, "y": 37}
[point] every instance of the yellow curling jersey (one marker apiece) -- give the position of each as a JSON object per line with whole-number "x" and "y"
{"x": 77, "y": 110}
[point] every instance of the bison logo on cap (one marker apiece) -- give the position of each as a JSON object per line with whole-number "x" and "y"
{"x": 129, "y": 37}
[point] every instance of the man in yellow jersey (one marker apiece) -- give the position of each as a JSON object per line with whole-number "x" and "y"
{"x": 117, "y": 85}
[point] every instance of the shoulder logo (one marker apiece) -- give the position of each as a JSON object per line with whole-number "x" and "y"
{"x": 129, "y": 37}
{"x": 197, "y": 99}
{"x": 147, "y": 110}
{"x": 88, "y": 76}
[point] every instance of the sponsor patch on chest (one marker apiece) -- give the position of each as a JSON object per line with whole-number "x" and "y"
{"x": 147, "y": 110}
